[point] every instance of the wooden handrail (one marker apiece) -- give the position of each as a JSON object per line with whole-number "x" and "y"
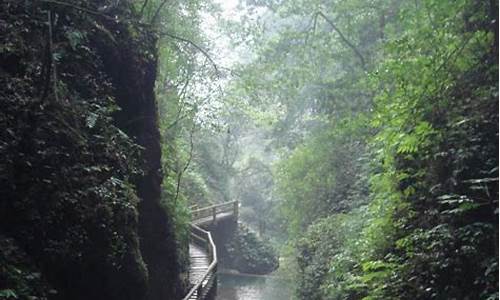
{"x": 204, "y": 286}
{"x": 209, "y": 208}
{"x": 213, "y": 210}
{"x": 200, "y": 289}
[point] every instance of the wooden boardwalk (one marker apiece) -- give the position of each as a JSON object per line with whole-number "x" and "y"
{"x": 202, "y": 251}
{"x": 199, "y": 263}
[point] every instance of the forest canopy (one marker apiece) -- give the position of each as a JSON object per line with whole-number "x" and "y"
{"x": 378, "y": 130}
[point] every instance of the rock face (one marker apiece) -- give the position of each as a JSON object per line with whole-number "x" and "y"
{"x": 133, "y": 74}
{"x": 80, "y": 154}
{"x": 240, "y": 249}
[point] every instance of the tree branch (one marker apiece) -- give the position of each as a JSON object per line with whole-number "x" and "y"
{"x": 158, "y": 10}
{"x": 89, "y": 11}
{"x": 144, "y": 4}
{"x": 203, "y": 51}
{"x": 344, "y": 39}
{"x": 182, "y": 94}
{"x": 313, "y": 21}
{"x": 186, "y": 166}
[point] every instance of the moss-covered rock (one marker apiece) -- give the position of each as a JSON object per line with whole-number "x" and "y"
{"x": 247, "y": 253}
{"x": 79, "y": 152}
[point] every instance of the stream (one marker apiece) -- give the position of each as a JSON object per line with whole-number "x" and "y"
{"x": 247, "y": 287}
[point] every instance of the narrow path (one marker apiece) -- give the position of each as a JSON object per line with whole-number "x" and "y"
{"x": 202, "y": 251}
{"x": 199, "y": 263}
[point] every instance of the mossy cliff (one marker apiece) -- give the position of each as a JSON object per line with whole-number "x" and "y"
{"x": 80, "y": 172}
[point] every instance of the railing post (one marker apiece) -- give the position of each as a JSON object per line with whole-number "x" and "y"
{"x": 214, "y": 214}
{"x": 236, "y": 204}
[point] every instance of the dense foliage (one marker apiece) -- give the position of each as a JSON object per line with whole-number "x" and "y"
{"x": 385, "y": 115}
{"x": 182, "y": 70}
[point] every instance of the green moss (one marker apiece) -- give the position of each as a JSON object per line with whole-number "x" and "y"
{"x": 249, "y": 254}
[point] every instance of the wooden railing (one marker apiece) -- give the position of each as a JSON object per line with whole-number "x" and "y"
{"x": 207, "y": 284}
{"x": 213, "y": 210}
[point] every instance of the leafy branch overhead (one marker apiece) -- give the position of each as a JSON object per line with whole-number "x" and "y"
{"x": 342, "y": 37}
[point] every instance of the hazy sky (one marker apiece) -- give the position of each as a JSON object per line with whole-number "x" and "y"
{"x": 222, "y": 53}
{"x": 221, "y": 46}
{"x": 228, "y": 7}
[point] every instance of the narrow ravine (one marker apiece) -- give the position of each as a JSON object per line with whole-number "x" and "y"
{"x": 249, "y": 149}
